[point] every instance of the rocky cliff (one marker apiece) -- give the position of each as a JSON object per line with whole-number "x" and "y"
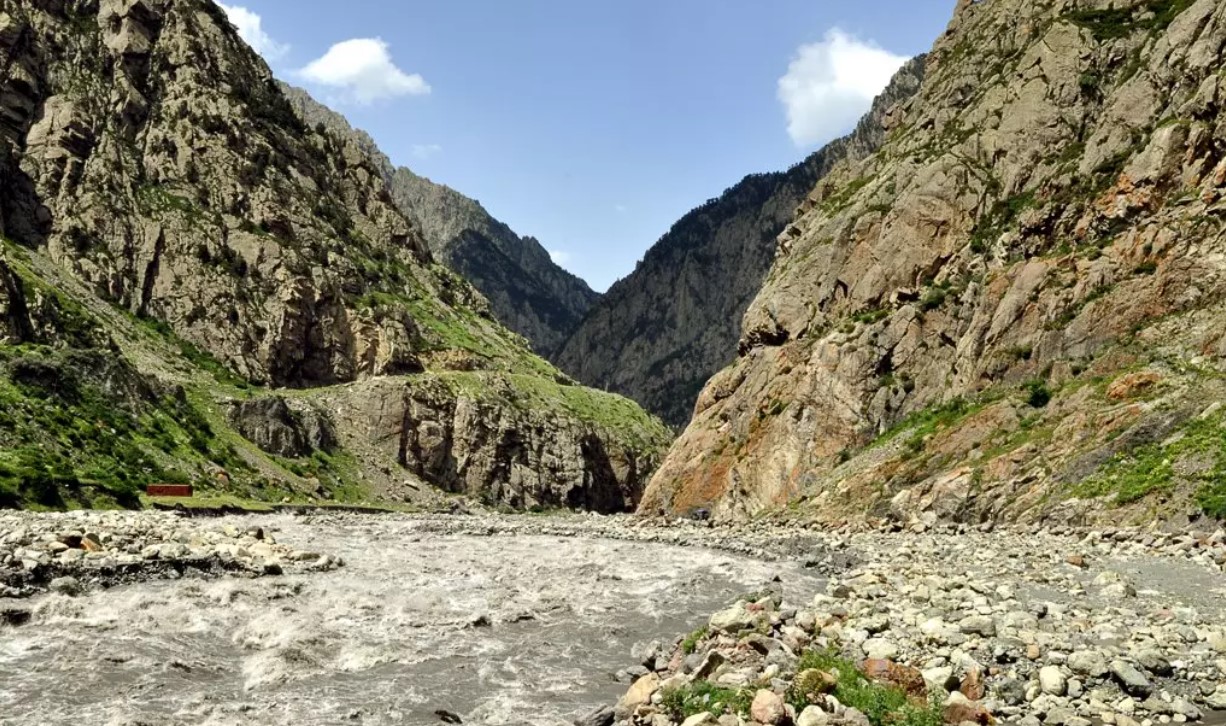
{"x": 527, "y": 291}
{"x": 171, "y": 219}
{"x": 662, "y": 331}
{"x": 1013, "y": 310}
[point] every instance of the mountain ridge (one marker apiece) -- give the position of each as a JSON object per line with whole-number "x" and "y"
{"x": 658, "y": 334}
{"x": 528, "y": 292}
{"x": 1011, "y": 311}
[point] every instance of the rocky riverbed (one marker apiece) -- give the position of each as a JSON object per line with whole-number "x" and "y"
{"x": 1031, "y": 627}
{"x": 551, "y": 619}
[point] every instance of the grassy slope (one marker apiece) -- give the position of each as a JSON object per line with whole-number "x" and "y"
{"x": 115, "y": 403}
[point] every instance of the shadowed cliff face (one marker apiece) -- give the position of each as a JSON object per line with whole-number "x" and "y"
{"x": 661, "y": 332}
{"x": 166, "y": 211}
{"x": 527, "y": 291}
{"x": 1013, "y": 309}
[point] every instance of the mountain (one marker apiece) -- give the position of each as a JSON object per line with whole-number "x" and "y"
{"x": 1014, "y": 309}
{"x": 199, "y": 286}
{"x": 528, "y": 292}
{"x": 662, "y": 331}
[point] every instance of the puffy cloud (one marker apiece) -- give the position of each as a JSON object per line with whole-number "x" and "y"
{"x": 250, "y": 28}
{"x": 425, "y": 151}
{"x": 560, "y": 257}
{"x": 831, "y": 84}
{"x": 363, "y": 71}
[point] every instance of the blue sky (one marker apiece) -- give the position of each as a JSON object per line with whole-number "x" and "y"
{"x": 592, "y": 126}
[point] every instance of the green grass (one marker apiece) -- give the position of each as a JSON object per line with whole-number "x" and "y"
{"x": 1113, "y": 23}
{"x": 209, "y": 502}
{"x": 691, "y": 641}
{"x": 608, "y": 411}
{"x": 883, "y": 705}
{"x": 694, "y": 698}
{"x": 197, "y": 357}
{"x": 1150, "y": 469}
{"x": 444, "y": 328}
{"x": 930, "y": 420}
{"x": 68, "y": 439}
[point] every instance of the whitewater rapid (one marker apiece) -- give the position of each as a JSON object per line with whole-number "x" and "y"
{"x": 509, "y": 629}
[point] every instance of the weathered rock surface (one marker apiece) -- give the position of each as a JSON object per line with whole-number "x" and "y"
{"x": 527, "y": 291}
{"x": 661, "y": 332}
{"x": 501, "y": 439}
{"x": 177, "y": 237}
{"x": 1011, "y": 311}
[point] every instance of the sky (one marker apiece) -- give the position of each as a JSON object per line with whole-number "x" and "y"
{"x": 592, "y": 126}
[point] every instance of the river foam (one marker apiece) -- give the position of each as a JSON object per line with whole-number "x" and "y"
{"x": 501, "y": 630}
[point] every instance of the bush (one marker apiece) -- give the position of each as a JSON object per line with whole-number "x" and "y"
{"x": 1038, "y": 395}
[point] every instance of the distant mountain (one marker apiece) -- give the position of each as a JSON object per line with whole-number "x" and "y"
{"x": 661, "y": 332}
{"x": 528, "y": 292}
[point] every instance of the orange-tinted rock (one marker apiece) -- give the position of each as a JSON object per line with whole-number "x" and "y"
{"x": 1132, "y": 385}
{"x": 905, "y": 678}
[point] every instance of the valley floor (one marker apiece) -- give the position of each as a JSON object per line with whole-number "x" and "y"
{"x": 327, "y": 617}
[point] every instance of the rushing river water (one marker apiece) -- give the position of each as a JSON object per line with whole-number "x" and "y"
{"x": 398, "y": 633}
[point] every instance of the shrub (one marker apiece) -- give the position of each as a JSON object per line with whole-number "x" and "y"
{"x": 1038, "y": 395}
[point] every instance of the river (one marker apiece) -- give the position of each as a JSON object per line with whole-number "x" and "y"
{"x": 525, "y": 629}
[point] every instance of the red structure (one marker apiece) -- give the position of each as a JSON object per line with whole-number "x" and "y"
{"x": 169, "y": 490}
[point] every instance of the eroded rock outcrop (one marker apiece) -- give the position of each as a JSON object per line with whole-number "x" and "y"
{"x": 508, "y": 442}
{"x": 936, "y": 336}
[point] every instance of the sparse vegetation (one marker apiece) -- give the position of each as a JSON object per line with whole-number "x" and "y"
{"x": 606, "y": 411}
{"x": 699, "y": 696}
{"x": 883, "y": 705}
{"x": 998, "y": 219}
{"x": 1155, "y": 468}
{"x": 923, "y": 423}
{"x": 1113, "y": 23}
{"x": 691, "y": 641}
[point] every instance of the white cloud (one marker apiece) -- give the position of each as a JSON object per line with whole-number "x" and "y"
{"x": 560, "y": 257}
{"x": 362, "y": 69}
{"x": 250, "y": 28}
{"x": 620, "y": 208}
{"x": 831, "y": 84}
{"x": 425, "y": 151}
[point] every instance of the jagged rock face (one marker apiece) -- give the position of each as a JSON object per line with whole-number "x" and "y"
{"x": 1045, "y": 211}
{"x": 150, "y": 151}
{"x": 473, "y": 442}
{"x": 659, "y": 334}
{"x": 527, "y": 291}
{"x": 271, "y": 424}
{"x": 163, "y": 205}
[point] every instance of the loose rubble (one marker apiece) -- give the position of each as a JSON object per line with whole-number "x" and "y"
{"x": 74, "y": 552}
{"x": 1026, "y": 626}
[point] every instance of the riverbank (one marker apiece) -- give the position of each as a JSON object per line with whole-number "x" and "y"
{"x": 1031, "y": 627}
{"x": 74, "y": 552}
